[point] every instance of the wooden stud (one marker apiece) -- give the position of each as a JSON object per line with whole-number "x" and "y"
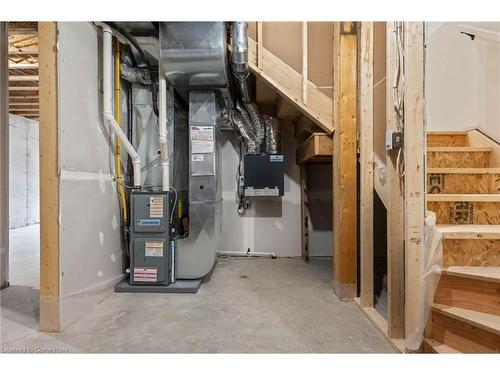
{"x": 304, "y": 63}
{"x": 49, "y": 180}
{"x": 414, "y": 147}
{"x": 260, "y": 42}
{"x": 288, "y": 83}
{"x": 395, "y": 212}
{"x": 344, "y": 163}
{"x": 366, "y": 164}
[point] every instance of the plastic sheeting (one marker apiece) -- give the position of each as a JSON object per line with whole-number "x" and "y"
{"x": 431, "y": 267}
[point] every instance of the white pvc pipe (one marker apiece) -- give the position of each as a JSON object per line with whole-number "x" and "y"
{"x": 246, "y": 254}
{"x": 107, "y": 97}
{"x": 163, "y": 133}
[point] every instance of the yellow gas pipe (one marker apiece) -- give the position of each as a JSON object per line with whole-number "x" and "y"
{"x": 118, "y": 166}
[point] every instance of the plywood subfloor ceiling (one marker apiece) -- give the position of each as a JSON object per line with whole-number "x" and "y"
{"x": 23, "y": 69}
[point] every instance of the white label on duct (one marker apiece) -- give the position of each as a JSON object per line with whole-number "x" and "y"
{"x": 146, "y": 273}
{"x": 202, "y": 139}
{"x": 153, "y": 248}
{"x": 197, "y": 157}
{"x": 265, "y": 192}
{"x": 156, "y": 206}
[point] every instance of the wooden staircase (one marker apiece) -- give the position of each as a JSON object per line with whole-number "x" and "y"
{"x": 463, "y": 189}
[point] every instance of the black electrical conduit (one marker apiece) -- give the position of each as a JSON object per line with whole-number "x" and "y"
{"x": 152, "y": 76}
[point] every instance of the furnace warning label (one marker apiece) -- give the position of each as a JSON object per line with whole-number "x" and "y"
{"x": 202, "y": 139}
{"x": 156, "y": 206}
{"x": 145, "y": 273}
{"x": 153, "y": 248}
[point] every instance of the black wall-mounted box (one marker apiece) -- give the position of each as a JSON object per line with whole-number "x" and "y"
{"x": 264, "y": 175}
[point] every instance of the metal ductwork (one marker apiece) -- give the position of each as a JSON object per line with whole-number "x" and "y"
{"x": 257, "y": 137}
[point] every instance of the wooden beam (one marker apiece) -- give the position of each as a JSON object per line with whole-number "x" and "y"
{"x": 260, "y": 45}
{"x": 49, "y": 180}
{"x": 366, "y": 163}
{"x": 23, "y": 78}
{"x": 345, "y": 60}
{"x": 414, "y": 146}
{"x": 22, "y": 66}
{"x": 318, "y": 147}
{"x": 23, "y": 88}
{"x": 285, "y": 110}
{"x": 395, "y": 211}
{"x": 288, "y": 82}
{"x": 304, "y": 63}
{"x": 33, "y": 105}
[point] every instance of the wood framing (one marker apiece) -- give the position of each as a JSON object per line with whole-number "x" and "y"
{"x": 49, "y": 180}
{"x": 366, "y": 163}
{"x": 395, "y": 211}
{"x": 289, "y": 83}
{"x": 345, "y": 52}
{"x": 318, "y": 147}
{"x": 304, "y": 63}
{"x": 414, "y": 146}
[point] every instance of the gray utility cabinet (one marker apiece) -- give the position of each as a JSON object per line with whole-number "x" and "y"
{"x": 149, "y": 225}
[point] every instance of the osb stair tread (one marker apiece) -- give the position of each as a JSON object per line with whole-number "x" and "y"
{"x": 487, "y": 322}
{"x": 458, "y": 149}
{"x": 463, "y": 170}
{"x": 491, "y": 274}
{"x": 446, "y": 132}
{"x": 469, "y": 231}
{"x": 439, "y": 347}
{"x": 463, "y": 198}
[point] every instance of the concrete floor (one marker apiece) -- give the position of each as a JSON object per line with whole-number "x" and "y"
{"x": 249, "y": 306}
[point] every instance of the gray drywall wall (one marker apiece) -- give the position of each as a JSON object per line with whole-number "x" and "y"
{"x": 91, "y": 255}
{"x": 463, "y": 78}
{"x": 320, "y": 233}
{"x": 271, "y": 224}
{"x": 24, "y": 193}
{"x": 4, "y": 157}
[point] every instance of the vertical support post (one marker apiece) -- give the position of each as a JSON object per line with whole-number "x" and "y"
{"x": 366, "y": 163}
{"x": 395, "y": 210}
{"x": 344, "y": 160}
{"x": 415, "y": 171}
{"x": 304, "y": 63}
{"x": 4, "y": 156}
{"x": 304, "y": 195}
{"x": 260, "y": 41}
{"x": 49, "y": 179}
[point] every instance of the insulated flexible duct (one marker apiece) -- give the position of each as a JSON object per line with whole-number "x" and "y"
{"x": 244, "y": 132}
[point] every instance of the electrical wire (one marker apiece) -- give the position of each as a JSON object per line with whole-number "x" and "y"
{"x": 398, "y": 92}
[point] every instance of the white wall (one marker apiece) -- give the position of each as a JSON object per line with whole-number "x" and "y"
{"x": 91, "y": 257}
{"x": 271, "y": 224}
{"x": 4, "y": 157}
{"x": 462, "y": 79}
{"x": 24, "y": 193}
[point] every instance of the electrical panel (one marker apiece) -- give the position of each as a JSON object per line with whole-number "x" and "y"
{"x": 149, "y": 255}
{"x": 263, "y": 175}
